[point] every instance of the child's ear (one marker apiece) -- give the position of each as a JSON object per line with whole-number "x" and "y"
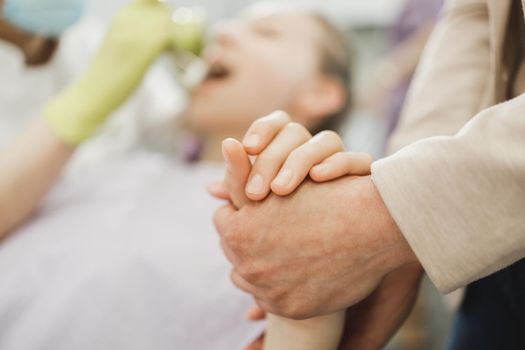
{"x": 320, "y": 98}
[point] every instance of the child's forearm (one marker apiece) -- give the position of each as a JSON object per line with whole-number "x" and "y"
{"x": 28, "y": 168}
{"x": 318, "y": 333}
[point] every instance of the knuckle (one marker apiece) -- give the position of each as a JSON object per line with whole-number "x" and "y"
{"x": 294, "y": 310}
{"x": 250, "y": 273}
{"x": 275, "y": 294}
{"x": 235, "y": 280}
{"x": 235, "y": 242}
{"x": 231, "y": 238}
{"x": 218, "y": 222}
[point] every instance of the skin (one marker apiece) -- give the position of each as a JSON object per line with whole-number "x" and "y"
{"x": 260, "y": 240}
{"x": 280, "y": 52}
{"x": 317, "y": 333}
{"x": 371, "y": 322}
{"x": 31, "y": 165}
{"x": 38, "y": 148}
{"x": 37, "y": 50}
{"x": 33, "y": 162}
{"x": 211, "y": 112}
{"x": 308, "y": 282}
{"x": 380, "y": 309}
{"x": 310, "y": 96}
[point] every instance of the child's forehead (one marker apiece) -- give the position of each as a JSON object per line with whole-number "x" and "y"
{"x": 269, "y": 8}
{"x": 292, "y": 19}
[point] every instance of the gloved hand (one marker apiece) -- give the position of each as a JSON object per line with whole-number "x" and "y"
{"x": 138, "y": 35}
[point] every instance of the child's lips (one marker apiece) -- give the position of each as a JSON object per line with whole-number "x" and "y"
{"x": 218, "y": 71}
{"x": 209, "y": 85}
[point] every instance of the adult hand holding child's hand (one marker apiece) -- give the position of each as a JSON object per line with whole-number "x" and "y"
{"x": 297, "y": 255}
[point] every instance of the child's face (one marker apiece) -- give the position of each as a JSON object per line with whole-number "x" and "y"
{"x": 259, "y": 64}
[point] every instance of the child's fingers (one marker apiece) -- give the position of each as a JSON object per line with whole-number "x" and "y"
{"x": 263, "y": 130}
{"x": 341, "y": 164}
{"x": 238, "y": 168}
{"x": 269, "y": 162}
{"x": 301, "y": 160}
{"x": 218, "y": 190}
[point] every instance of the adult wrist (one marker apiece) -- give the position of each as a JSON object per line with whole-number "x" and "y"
{"x": 394, "y": 250}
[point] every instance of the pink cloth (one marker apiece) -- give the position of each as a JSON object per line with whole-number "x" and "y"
{"x": 123, "y": 257}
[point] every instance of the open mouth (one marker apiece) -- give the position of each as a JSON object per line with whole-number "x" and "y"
{"x": 218, "y": 72}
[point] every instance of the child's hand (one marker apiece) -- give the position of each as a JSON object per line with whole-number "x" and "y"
{"x": 286, "y": 153}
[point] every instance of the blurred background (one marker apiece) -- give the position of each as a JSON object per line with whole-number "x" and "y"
{"x": 368, "y": 24}
{"x": 388, "y": 37}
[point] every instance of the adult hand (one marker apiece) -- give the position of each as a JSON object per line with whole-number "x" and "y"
{"x": 321, "y": 249}
{"x": 371, "y": 323}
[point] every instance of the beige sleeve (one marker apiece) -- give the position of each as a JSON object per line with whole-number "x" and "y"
{"x": 459, "y": 198}
{"x": 452, "y": 77}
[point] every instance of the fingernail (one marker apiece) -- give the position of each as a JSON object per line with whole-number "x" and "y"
{"x": 252, "y": 140}
{"x": 284, "y": 178}
{"x": 256, "y": 185}
{"x": 321, "y": 168}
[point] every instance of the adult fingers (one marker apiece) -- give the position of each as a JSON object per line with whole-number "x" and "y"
{"x": 341, "y": 164}
{"x": 264, "y": 305}
{"x": 238, "y": 168}
{"x": 223, "y": 219}
{"x": 228, "y": 253}
{"x": 255, "y": 313}
{"x": 263, "y": 130}
{"x": 218, "y": 190}
{"x": 242, "y": 284}
{"x": 269, "y": 162}
{"x": 301, "y": 160}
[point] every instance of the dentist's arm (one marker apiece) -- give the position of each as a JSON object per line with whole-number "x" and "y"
{"x": 28, "y": 167}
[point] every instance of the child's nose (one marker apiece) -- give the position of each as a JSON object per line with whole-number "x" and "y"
{"x": 227, "y": 33}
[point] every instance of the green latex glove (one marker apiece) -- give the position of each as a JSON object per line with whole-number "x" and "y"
{"x": 140, "y": 32}
{"x": 188, "y": 30}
